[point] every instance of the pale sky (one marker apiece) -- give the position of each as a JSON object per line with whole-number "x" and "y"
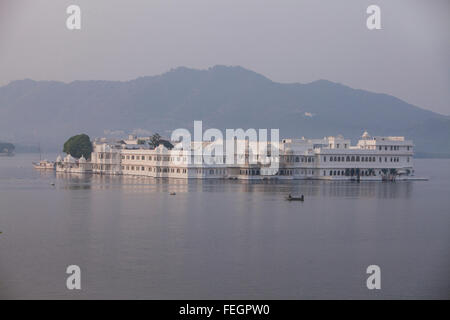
{"x": 285, "y": 40}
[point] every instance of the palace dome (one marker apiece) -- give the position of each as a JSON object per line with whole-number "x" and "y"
{"x": 366, "y": 135}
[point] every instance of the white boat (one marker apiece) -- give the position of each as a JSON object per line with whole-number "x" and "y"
{"x": 46, "y": 165}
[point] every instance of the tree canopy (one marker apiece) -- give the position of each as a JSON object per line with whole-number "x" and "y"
{"x": 79, "y": 145}
{"x": 155, "y": 141}
{"x": 6, "y": 147}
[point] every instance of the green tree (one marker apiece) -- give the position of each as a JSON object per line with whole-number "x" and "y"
{"x": 155, "y": 140}
{"x": 6, "y": 147}
{"x": 79, "y": 145}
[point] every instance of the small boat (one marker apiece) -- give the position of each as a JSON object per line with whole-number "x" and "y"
{"x": 43, "y": 164}
{"x": 172, "y": 193}
{"x": 291, "y": 198}
{"x": 46, "y": 165}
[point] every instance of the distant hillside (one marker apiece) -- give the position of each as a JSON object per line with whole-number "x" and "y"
{"x": 223, "y": 97}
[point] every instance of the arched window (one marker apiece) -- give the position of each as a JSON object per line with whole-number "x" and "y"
{"x": 353, "y": 158}
{"x": 348, "y": 159}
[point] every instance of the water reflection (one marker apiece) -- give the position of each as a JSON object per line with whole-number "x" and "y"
{"x": 310, "y": 188}
{"x": 221, "y": 239}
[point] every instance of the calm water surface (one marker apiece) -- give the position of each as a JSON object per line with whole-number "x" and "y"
{"x": 222, "y": 239}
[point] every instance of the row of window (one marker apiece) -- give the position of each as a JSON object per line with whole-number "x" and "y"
{"x": 297, "y": 159}
{"x": 154, "y": 158}
{"x": 392, "y": 148}
{"x": 173, "y": 170}
{"x": 285, "y": 158}
{"x": 290, "y": 172}
{"x": 169, "y": 158}
{"x": 361, "y": 159}
{"x": 211, "y": 171}
{"x": 250, "y": 172}
{"x": 340, "y": 172}
{"x": 349, "y": 159}
{"x": 106, "y": 155}
{"x": 154, "y": 169}
{"x": 337, "y": 146}
{"x": 349, "y": 172}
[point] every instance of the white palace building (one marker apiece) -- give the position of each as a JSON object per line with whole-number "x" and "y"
{"x": 330, "y": 158}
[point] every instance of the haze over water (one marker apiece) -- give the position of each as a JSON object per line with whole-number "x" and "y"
{"x": 221, "y": 239}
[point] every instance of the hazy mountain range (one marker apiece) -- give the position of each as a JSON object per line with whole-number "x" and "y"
{"x": 223, "y": 97}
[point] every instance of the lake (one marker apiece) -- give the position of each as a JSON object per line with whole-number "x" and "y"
{"x": 222, "y": 239}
